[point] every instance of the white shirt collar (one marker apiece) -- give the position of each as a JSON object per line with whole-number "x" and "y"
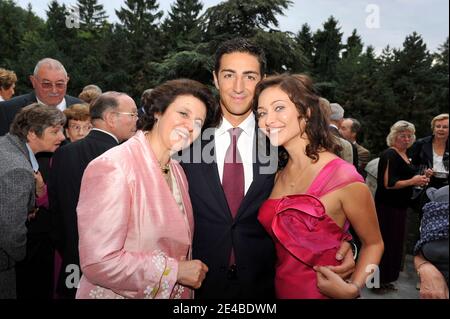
{"x": 33, "y": 160}
{"x": 247, "y": 126}
{"x": 1, "y": 99}
{"x": 61, "y": 106}
{"x": 106, "y": 132}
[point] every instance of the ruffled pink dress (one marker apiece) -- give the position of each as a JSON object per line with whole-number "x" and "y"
{"x": 304, "y": 235}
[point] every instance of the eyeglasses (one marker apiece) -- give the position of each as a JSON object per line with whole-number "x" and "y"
{"x": 49, "y": 85}
{"x": 128, "y": 113}
{"x": 79, "y": 128}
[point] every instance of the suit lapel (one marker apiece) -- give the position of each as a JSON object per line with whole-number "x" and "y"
{"x": 265, "y": 162}
{"x": 211, "y": 174}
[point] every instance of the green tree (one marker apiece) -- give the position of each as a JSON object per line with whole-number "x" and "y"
{"x": 354, "y": 46}
{"x": 440, "y": 94}
{"x": 327, "y": 48}
{"x": 92, "y": 14}
{"x": 304, "y": 39}
{"x": 413, "y": 81}
{"x": 283, "y": 52}
{"x": 182, "y": 29}
{"x": 234, "y": 18}
{"x": 139, "y": 24}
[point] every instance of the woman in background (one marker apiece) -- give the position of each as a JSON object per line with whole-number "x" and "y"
{"x": 395, "y": 182}
{"x": 8, "y": 81}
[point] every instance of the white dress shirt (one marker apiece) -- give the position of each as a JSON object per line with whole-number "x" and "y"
{"x": 245, "y": 146}
{"x": 61, "y": 106}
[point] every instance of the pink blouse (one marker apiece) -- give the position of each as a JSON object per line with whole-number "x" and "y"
{"x": 132, "y": 233}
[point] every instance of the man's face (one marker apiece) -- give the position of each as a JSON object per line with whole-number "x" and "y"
{"x": 125, "y": 119}
{"x": 50, "y": 85}
{"x": 236, "y": 80}
{"x": 346, "y": 130}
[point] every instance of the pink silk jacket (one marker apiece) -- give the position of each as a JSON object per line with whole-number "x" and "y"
{"x": 132, "y": 232}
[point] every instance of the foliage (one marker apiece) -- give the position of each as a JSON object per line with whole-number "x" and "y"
{"x": 145, "y": 48}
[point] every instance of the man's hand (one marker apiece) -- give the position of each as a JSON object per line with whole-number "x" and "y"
{"x": 346, "y": 269}
{"x": 331, "y": 285}
{"x": 432, "y": 283}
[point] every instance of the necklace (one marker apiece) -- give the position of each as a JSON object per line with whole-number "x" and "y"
{"x": 293, "y": 179}
{"x": 165, "y": 169}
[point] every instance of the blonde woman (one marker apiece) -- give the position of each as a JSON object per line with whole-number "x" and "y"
{"x": 395, "y": 182}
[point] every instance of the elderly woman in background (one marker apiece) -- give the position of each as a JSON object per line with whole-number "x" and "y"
{"x": 432, "y": 151}
{"x": 135, "y": 217}
{"x": 78, "y": 123}
{"x": 89, "y": 93}
{"x": 395, "y": 181}
{"x": 37, "y": 128}
{"x": 8, "y": 81}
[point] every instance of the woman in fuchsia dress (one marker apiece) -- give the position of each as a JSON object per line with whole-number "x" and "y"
{"x": 315, "y": 198}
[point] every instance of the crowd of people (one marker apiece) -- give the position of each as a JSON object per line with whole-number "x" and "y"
{"x": 183, "y": 196}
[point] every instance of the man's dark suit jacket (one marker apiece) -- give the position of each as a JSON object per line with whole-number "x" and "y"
{"x": 216, "y": 232}
{"x": 68, "y": 165}
{"x": 9, "y": 109}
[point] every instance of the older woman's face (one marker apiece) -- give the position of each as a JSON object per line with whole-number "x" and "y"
{"x": 76, "y": 130}
{"x": 181, "y": 123}
{"x": 441, "y": 129}
{"x": 50, "y": 140}
{"x": 6, "y": 94}
{"x": 403, "y": 139}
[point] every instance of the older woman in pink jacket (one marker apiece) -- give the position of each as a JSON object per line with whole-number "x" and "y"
{"x": 135, "y": 218}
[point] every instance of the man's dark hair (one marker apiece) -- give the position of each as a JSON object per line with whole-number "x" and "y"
{"x": 105, "y": 101}
{"x": 241, "y": 45}
{"x": 356, "y": 125}
{"x": 36, "y": 118}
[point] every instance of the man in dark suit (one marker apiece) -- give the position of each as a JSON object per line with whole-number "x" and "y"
{"x": 114, "y": 118}
{"x": 49, "y": 82}
{"x": 349, "y": 129}
{"x": 228, "y": 238}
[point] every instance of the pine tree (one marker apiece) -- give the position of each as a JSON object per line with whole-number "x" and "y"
{"x": 234, "y": 18}
{"x": 413, "y": 81}
{"x": 183, "y": 27}
{"x": 92, "y": 14}
{"x": 327, "y": 48}
{"x": 139, "y": 24}
{"x": 56, "y": 27}
{"x": 354, "y": 46}
{"x": 304, "y": 39}
{"x": 440, "y": 70}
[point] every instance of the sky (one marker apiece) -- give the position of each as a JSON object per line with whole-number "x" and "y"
{"x": 378, "y": 22}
